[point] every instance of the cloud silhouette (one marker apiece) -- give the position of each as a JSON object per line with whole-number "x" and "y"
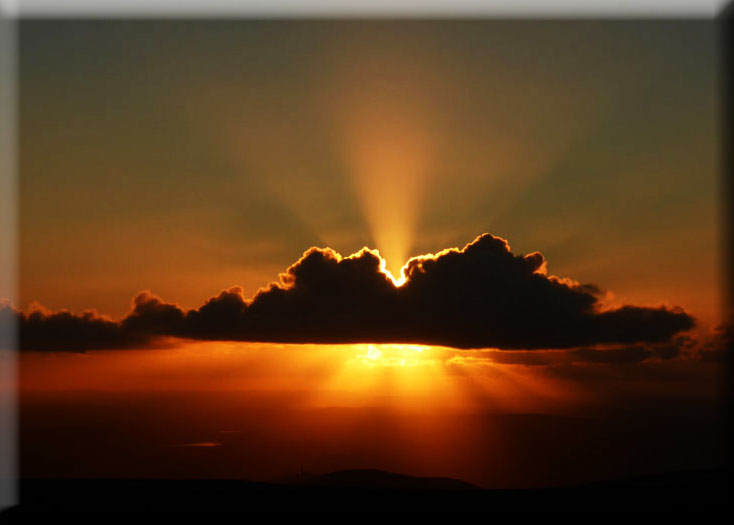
{"x": 63, "y": 331}
{"x": 719, "y": 348}
{"x": 624, "y": 354}
{"x": 480, "y": 296}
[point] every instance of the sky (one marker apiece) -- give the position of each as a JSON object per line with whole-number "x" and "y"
{"x": 540, "y": 207}
{"x": 187, "y": 157}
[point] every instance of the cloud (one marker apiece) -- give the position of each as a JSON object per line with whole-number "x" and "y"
{"x": 622, "y": 355}
{"x": 63, "y": 331}
{"x": 480, "y": 296}
{"x": 720, "y": 347}
{"x": 679, "y": 346}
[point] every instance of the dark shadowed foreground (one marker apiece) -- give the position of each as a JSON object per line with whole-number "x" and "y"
{"x": 370, "y": 491}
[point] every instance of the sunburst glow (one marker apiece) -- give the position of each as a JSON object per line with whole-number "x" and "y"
{"x": 391, "y": 354}
{"x": 388, "y": 144}
{"x": 397, "y": 281}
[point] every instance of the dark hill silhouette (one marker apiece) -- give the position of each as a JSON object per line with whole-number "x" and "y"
{"x": 369, "y": 490}
{"x": 379, "y": 479}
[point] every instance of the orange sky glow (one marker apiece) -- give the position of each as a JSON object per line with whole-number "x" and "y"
{"x": 148, "y": 165}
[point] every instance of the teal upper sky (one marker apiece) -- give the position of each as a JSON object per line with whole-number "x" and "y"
{"x": 187, "y": 156}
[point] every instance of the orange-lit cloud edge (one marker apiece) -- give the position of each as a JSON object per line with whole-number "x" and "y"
{"x": 320, "y": 281}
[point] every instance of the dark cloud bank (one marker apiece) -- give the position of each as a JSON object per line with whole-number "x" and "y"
{"x": 481, "y": 296}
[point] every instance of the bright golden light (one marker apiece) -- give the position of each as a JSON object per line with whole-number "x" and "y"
{"x": 390, "y": 354}
{"x": 389, "y": 171}
{"x": 395, "y": 376}
{"x": 397, "y": 281}
{"x": 388, "y": 149}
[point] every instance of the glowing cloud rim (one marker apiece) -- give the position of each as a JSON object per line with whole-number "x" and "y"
{"x": 479, "y": 296}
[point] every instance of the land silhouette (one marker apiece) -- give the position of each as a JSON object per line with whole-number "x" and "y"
{"x": 370, "y": 490}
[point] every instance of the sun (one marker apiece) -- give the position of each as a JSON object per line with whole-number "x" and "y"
{"x": 390, "y": 354}
{"x": 373, "y": 353}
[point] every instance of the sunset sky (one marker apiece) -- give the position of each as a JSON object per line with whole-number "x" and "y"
{"x": 183, "y": 159}
{"x": 188, "y": 157}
